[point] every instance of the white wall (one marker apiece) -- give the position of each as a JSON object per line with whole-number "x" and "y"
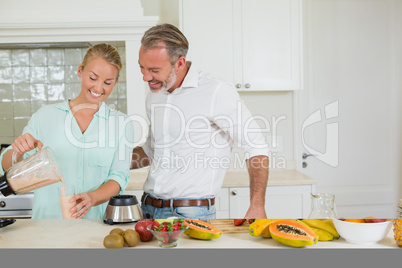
{"x": 167, "y": 10}
{"x": 398, "y": 74}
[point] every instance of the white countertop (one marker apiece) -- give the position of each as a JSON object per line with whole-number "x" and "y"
{"x": 26, "y": 233}
{"x": 235, "y": 178}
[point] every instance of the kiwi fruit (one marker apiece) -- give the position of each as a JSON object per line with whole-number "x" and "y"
{"x": 117, "y": 231}
{"x": 131, "y": 237}
{"x": 113, "y": 241}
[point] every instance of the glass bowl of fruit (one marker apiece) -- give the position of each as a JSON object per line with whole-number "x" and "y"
{"x": 167, "y": 232}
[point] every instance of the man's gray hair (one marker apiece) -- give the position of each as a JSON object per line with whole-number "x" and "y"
{"x": 174, "y": 40}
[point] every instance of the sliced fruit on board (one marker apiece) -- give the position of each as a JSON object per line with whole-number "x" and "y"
{"x": 292, "y": 233}
{"x": 201, "y": 230}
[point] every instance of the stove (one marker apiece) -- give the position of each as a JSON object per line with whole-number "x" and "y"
{"x": 16, "y": 206}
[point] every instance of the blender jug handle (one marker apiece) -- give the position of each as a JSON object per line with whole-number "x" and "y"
{"x": 5, "y": 189}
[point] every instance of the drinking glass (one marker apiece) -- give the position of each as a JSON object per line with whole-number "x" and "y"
{"x": 66, "y": 192}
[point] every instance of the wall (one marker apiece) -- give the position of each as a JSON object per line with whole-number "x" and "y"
{"x": 398, "y": 74}
{"x": 167, "y": 10}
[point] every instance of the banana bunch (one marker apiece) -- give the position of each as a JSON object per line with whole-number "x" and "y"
{"x": 325, "y": 228}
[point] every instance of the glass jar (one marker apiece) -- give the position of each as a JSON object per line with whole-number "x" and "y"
{"x": 322, "y": 206}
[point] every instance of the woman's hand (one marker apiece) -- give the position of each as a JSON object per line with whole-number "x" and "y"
{"x": 21, "y": 145}
{"x": 25, "y": 143}
{"x": 83, "y": 205}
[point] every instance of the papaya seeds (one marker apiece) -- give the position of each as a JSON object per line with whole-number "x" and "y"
{"x": 131, "y": 237}
{"x": 113, "y": 241}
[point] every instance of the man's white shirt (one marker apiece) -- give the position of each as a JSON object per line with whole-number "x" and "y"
{"x": 191, "y": 134}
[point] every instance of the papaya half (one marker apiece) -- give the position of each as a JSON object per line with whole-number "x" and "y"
{"x": 201, "y": 230}
{"x": 292, "y": 233}
{"x": 260, "y": 227}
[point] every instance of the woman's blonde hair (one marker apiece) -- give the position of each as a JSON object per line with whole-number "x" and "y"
{"x": 105, "y": 51}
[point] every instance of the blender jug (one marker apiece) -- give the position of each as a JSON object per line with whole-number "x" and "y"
{"x": 36, "y": 171}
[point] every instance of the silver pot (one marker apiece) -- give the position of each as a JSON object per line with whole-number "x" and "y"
{"x": 122, "y": 209}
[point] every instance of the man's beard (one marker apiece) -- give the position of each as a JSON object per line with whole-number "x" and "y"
{"x": 168, "y": 83}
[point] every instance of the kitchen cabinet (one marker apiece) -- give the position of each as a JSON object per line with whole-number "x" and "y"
{"x": 280, "y": 201}
{"x": 288, "y": 193}
{"x": 254, "y": 44}
{"x": 291, "y": 201}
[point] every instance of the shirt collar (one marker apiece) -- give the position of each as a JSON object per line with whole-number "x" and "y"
{"x": 190, "y": 80}
{"x": 103, "y": 111}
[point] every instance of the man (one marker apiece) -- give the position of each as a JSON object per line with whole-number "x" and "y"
{"x": 194, "y": 120}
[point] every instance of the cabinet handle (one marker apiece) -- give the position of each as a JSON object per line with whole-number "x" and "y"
{"x": 2, "y": 204}
{"x": 234, "y": 192}
{"x": 238, "y": 85}
{"x": 247, "y": 85}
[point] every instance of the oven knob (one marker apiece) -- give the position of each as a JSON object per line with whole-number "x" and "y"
{"x": 2, "y": 204}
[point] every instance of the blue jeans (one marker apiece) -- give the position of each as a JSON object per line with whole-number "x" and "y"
{"x": 202, "y": 212}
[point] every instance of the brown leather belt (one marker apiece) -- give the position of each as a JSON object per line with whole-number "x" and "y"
{"x": 161, "y": 203}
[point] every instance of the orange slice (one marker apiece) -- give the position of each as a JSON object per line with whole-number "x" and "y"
{"x": 356, "y": 220}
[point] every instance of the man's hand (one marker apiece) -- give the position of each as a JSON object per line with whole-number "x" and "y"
{"x": 256, "y": 213}
{"x": 139, "y": 158}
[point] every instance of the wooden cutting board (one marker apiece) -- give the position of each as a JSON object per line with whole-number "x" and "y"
{"x": 227, "y": 226}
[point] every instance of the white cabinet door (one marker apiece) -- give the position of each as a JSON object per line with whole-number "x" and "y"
{"x": 280, "y": 201}
{"x": 254, "y": 44}
{"x": 271, "y": 44}
{"x": 222, "y": 204}
{"x": 347, "y": 115}
{"x": 209, "y": 28}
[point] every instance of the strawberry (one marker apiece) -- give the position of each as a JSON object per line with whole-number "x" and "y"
{"x": 238, "y": 222}
{"x": 166, "y": 240}
{"x": 174, "y": 236}
{"x": 155, "y": 225}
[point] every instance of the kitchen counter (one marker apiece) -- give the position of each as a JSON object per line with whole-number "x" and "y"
{"x": 27, "y": 233}
{"x": 235, "y": 178}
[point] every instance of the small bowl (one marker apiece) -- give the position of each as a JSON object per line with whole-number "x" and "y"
{"x": 167, "y": 239}
{"x": 362, "y": 233}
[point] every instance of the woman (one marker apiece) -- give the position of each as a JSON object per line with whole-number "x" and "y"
{"x": 92, "y": 143}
